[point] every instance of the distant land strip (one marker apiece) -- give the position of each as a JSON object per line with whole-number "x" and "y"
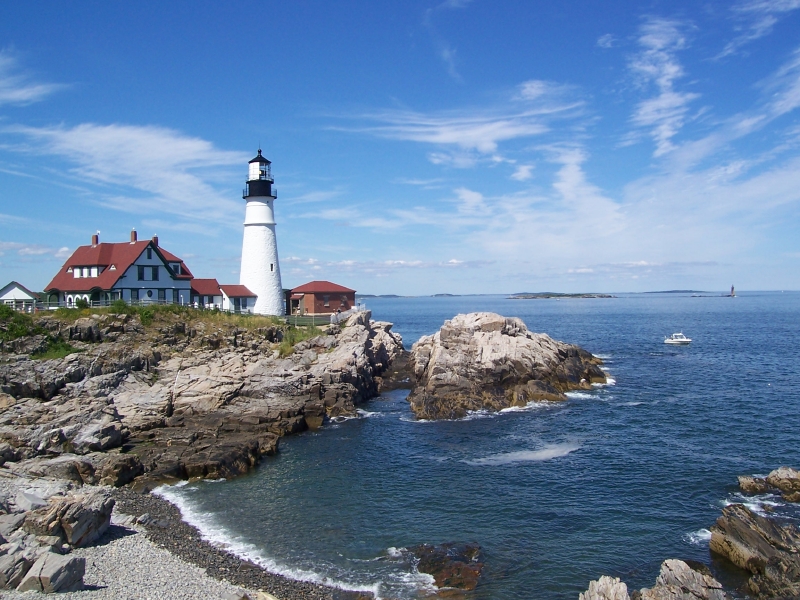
{"x": 543, "y": 295}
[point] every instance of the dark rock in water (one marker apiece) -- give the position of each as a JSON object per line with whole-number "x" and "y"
{"x": 762, "y": 546}
{"x": 487, "y": 361}
{"x": 452, "y": 565}
{"x": 753, "y": 485}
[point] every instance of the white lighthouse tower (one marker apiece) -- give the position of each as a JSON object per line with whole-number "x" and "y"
{"x": 260, "y": 272}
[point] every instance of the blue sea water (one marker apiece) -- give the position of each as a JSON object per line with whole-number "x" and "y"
{"x": 612, "y": 481}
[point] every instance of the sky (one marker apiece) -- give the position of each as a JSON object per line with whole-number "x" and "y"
{"x": 417, "y": 147}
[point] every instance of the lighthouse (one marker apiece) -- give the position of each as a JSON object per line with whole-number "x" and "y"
{"x": 260, "y": 272}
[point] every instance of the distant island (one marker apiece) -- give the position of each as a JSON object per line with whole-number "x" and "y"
{"x": 544, "y": 295}
{"x": 678, "y": 292}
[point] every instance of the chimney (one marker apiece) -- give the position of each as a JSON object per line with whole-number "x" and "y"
{"x": 133, "y": 236}
{"x": 95, "y": 239}
{"x": 155, "y": 240}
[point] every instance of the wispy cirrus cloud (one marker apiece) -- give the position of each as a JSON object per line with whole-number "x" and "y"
{"x": 758, "y": 18}
{"x": 143, "y": 169}
{"x": 18, "y": 87}
{"x": 446, "y": 52}
{"x": 656, "y": 65}
{"x": 467, "y": 136}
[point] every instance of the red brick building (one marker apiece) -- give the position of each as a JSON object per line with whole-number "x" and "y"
{"x": 320, "y": 298}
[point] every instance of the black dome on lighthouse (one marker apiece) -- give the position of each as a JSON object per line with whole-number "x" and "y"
{"x": 260, "y": 159}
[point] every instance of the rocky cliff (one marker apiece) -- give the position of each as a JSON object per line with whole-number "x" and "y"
{"x": 179, "y": 399}
{"x": 487, "y": 361}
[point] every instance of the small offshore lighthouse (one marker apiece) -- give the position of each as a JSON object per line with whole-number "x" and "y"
{"x": 260, "y": 271}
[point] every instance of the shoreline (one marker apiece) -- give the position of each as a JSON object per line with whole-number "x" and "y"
{"x": 167, "y": 529}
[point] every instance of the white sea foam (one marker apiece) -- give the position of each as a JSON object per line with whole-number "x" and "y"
{"x": 755, "y": 503}
{"x": 580, "y": 395}
{"x": 699, "y": 537}
{"x": 215, "y": 534}
{"x": 609, "y": 381}
{"x": 366, "y": 414}
{"x": 506, "y": 458}
{"x": 632, "y": 403}
{"x": 604, "y": 356}
{"x": 537, "y": 405}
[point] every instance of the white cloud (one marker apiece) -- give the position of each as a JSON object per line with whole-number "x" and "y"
{"x": 144, "y": 169}
{"x": 760, "y": 18}
{"x": 16, "y": 87}
{"x": 529, "y": 112}
{"x": 523, "y": 173}
{"x": 26, "y": 251}
{"x": 656, "y": 65}
{"x": 606, "y": 41}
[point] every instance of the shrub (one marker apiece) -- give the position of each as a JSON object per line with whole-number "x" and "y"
{"x": 81, "y": 304}
{"x": 56, "y": 348}
{"x": 14, "y": 324}
{"x": 295, "y": 335}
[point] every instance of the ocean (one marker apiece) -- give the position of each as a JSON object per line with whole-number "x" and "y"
{"x": 612, "y": 481}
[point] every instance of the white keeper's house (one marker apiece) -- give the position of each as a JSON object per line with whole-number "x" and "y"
{"x": 135, "y": 271}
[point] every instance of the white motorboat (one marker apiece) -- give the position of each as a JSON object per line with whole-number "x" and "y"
{"x": 677, "y": 339}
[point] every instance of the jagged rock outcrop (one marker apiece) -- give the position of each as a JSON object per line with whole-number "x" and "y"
{"x": 606, "y": 588}
{"x": 677, "y": 580}
{"x": 180, "y": 400}
{"x": 762, "y": 546}
{"x": 487, "y": 361}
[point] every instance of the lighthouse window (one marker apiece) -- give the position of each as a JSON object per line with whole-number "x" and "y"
{"x": 271, "y": 267}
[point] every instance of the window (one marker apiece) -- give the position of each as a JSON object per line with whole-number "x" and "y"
{"x": 76, "y": 272}
{"x": 162, "y": 296}
{"x": 326, "y": 300}
{"x": 271, "y": 267}
{"x": 149, "y": 253}
{"x": 244, "y": 303}
{"x": 155, "y": 273}
{"x": 134, "y": 295}
{"x": 176, "y": 297}
{"x": 93, "y": 272}
{"x": 149, "y": 293}
{"x": 141, "y": 273}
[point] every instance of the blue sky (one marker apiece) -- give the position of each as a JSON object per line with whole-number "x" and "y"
{"x": 417, "y": 147}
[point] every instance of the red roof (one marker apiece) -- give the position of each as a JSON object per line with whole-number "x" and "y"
{"x": 120, "y": 255}
{"x": 237, "y": 291}
{"x": 321, "y": 287}
{"x": 206, "y": 287}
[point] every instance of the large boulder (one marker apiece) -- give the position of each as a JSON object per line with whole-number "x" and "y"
{"x": 78, "y": 519}
{"x": 768, "y": 550}
{"x": 486, "y": 361}
{"x": 13, "y": 568}
{"x": 54, "y": 573}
